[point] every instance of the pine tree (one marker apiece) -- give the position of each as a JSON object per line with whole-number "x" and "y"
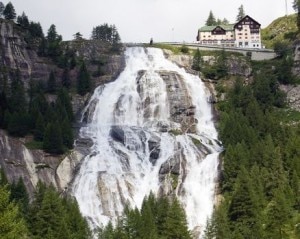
{"x": 67, "y": 134}
{"x": 241, "y": 13}
{"x": 197, "y": 61}
{"x": 3, "y": 178}
{"x": 23, "y": 20}
{"x": 176, "y": 224}
{"x": 244, "y": 208}
{"x": 211, "y": 20}
{"x": 221, "y": 65}
{"x": 2, "y": 7}
{"x": 76, "y": 224}
{"x": 53, "y": 43}
{"x": 51, "y": 84}
{"x": 39, "y": 128}
{"x": 107, "y": 232}
{"x": 9, "y": 12}
{"x": 12, "y": 225}
{"x": 296, "y": 6}
{"x": 65, "y": 79}
{"x": 53, "y": 142}
{"x": 51, "y": 217}
{"x": 278, "y": 213}
{"x": 17, "y": 99}
{"x": 19, "y": 195}
{"x": 64, "y": 100}
{"x": 83, "y": 80}
{"x": 148, "y": 230}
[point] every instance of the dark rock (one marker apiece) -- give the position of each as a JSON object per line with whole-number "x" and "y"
{"x": 117, "y": 133}
{"x": 172, "y": 165}
{"x": 154, "y": 148}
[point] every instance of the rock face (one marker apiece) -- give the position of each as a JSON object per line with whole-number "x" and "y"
{"x": 296, "y": 67}
{"x": 34, "y": 165}
{"x": 293, "y": 95}
{"x": 181, "y": 108}
{"x": 238, "y": 66}
{"x": 15, "y": 54}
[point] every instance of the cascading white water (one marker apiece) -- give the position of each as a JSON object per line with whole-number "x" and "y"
{"x": 128, "y": 117}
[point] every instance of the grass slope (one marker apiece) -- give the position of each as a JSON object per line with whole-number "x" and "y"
{"x": 281, "y": 29}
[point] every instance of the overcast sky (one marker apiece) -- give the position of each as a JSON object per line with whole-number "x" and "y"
{"x": 139, "y": 20}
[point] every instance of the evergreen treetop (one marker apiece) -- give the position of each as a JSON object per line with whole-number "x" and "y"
{"x": 241, "y": 13}
{"x": 211, "y": 20}
{"x": 9, "y": 12}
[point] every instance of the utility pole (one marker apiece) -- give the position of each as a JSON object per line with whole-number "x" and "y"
{"x": 172, "y": 34}
{"x": 286, "y": 8}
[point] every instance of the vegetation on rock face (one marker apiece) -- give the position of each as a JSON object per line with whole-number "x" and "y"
{"x": 283, "y": 29}
{"x": 48, "y": 216}
{"x": 39, "y": 107}
{"x": 197, "y": 61}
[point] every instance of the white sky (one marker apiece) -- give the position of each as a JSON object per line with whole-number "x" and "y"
{"x": 139, "y": 20}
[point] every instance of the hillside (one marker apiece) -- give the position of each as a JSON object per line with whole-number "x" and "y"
{"x": 281, "y": 29}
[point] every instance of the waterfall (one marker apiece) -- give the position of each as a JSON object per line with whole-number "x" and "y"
{"x": 152, "y": 130}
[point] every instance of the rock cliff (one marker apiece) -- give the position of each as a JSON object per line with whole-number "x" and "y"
{"x": 34, "y": 165}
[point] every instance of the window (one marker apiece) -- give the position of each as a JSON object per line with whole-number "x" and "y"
{"x": 246, "y": 43}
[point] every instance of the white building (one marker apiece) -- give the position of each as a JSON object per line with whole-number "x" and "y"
{"x": 245, "y": 33}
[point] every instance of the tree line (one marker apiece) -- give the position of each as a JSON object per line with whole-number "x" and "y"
{"x": 49, "y": 215}
{"x": 261, "y": 177}
{"x": 158, "y": 218}
{"x": 49, "y": 123}
{"x": 213, "y": 21}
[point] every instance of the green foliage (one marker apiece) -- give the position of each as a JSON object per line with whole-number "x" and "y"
{"x": 211, "y": 20}
{"x": 12, "y": 225}
{"x": 158, "y": 218}
{"x": 281, "y": 48}
{"x": 65, "y": 79}
{"x": 23, "y": 21}
{"x": 51, "y": 216}
{"x": 184, "y": 49}
{"x": 296, "y": 6}
{"x": 83, "y": 80}
{"x": 9, "y": 12}
{"x": 219, "y": 69}
{"x": 53, "y": 141}
{"x": 197, "y": 61}
{"x": 34, "y": 144}
{"x": 283, "y": 29}
{"x": 241, "y": 13}
{"x": 51, "y": 83}
{"x": 107, "y": 33}
{"x": 260, "y": 179}
{"x": 19, "y": 195}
